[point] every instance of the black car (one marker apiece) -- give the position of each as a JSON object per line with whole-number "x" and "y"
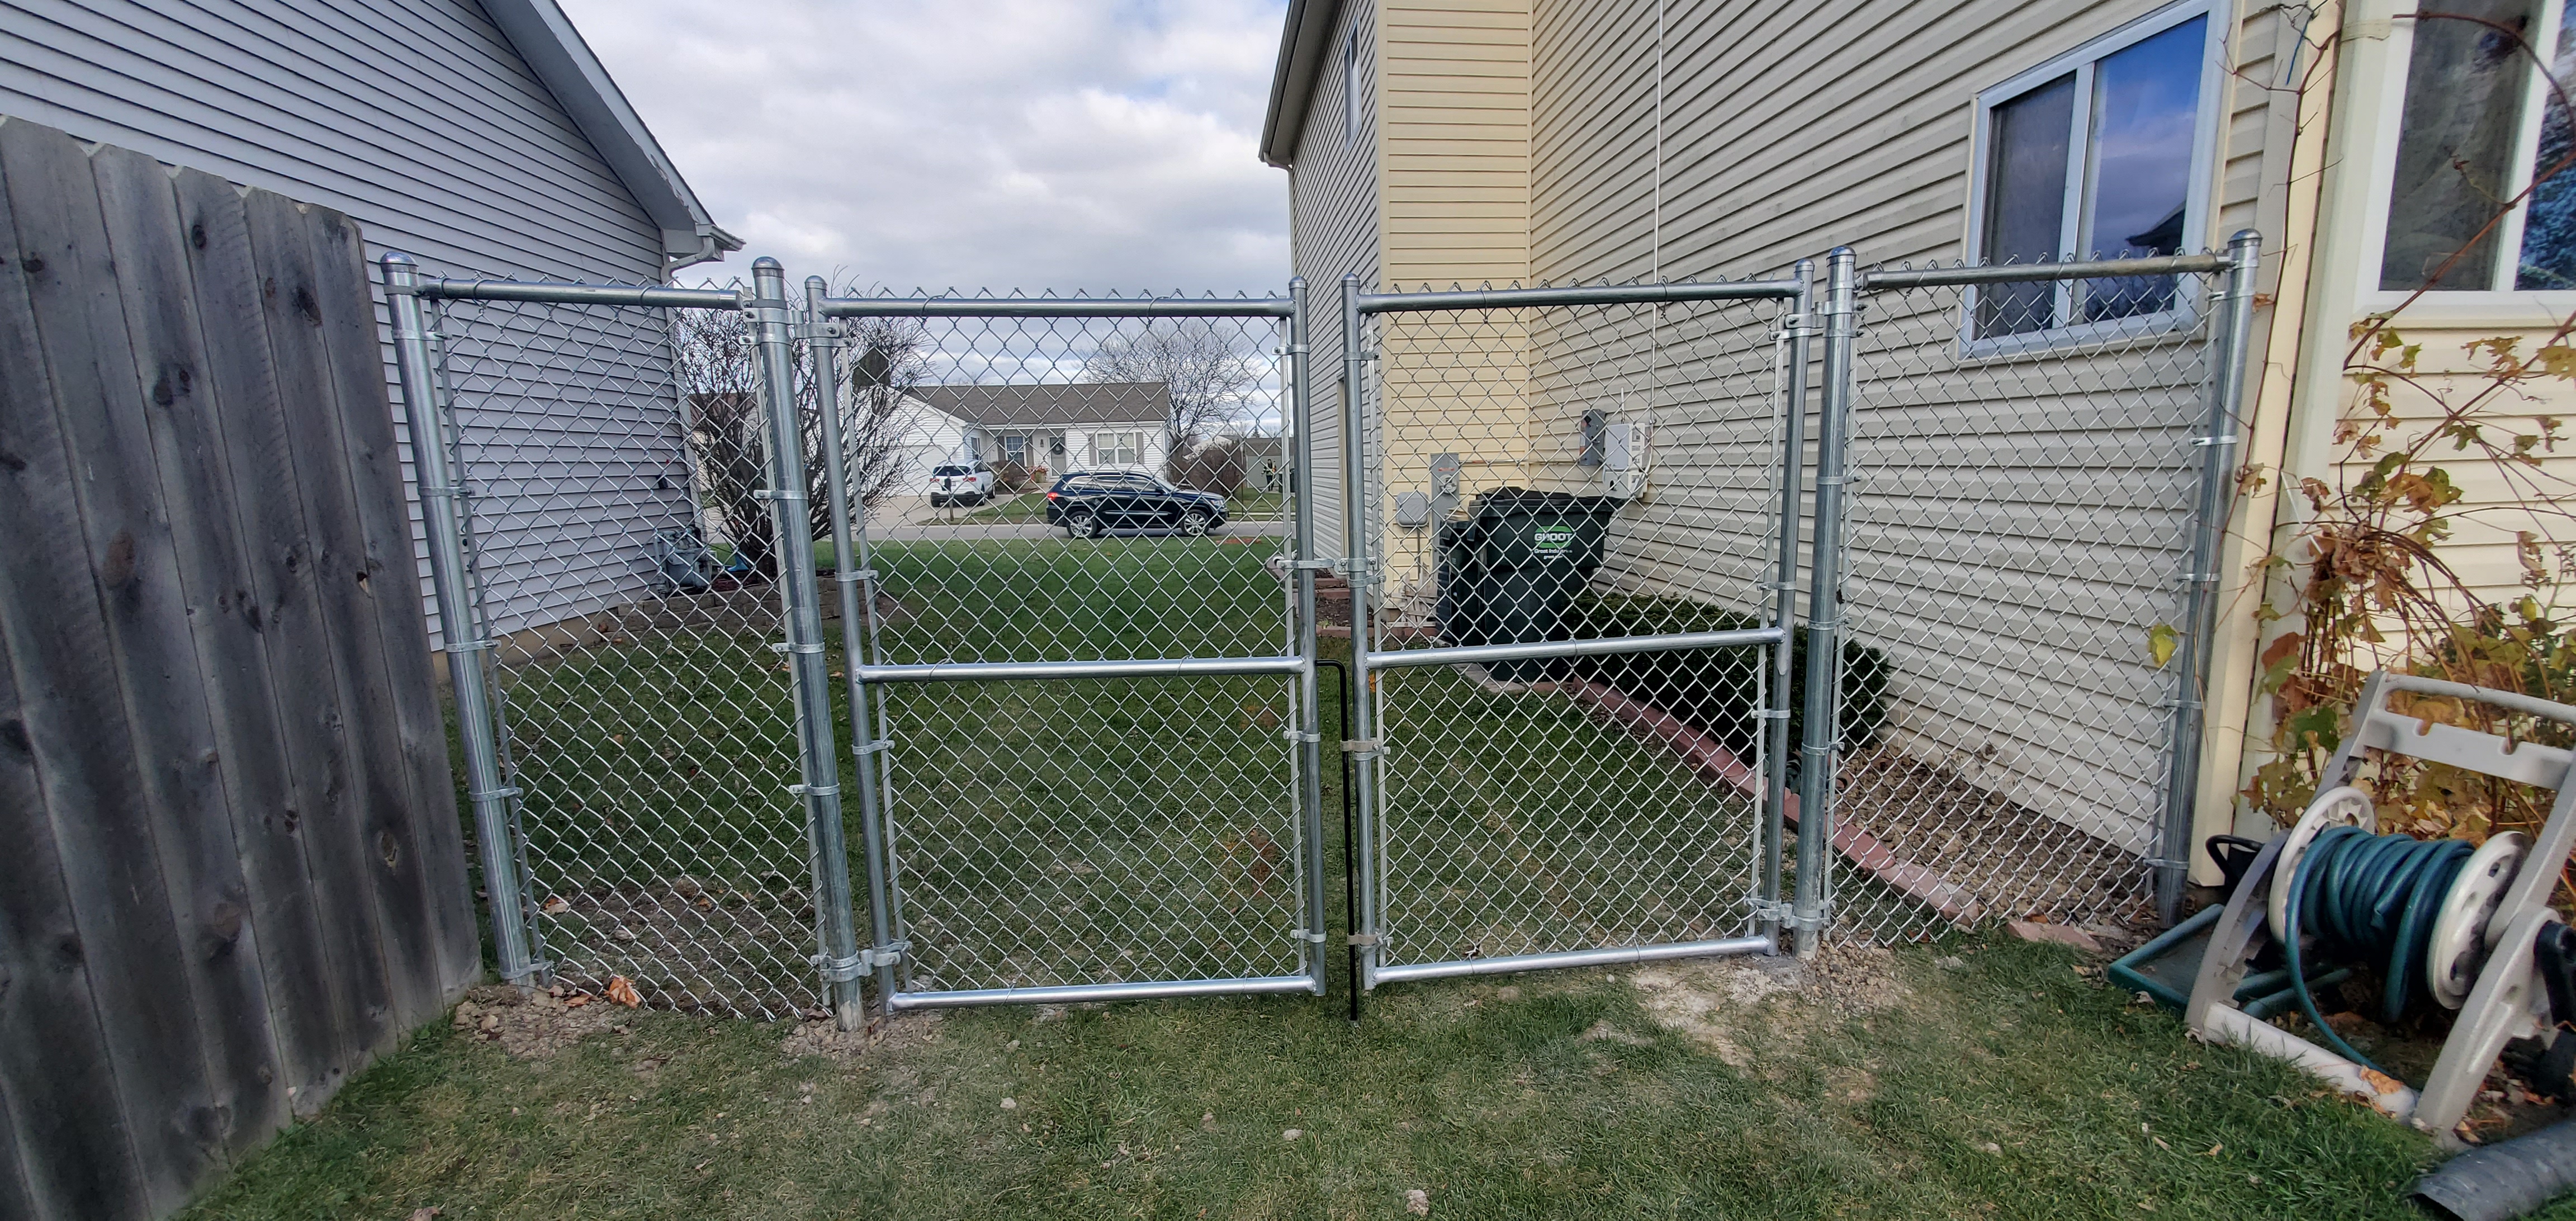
{"x": 1089, "y": 504}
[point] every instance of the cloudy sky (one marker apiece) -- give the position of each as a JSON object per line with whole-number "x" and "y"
{"x": 1094, "y": 144}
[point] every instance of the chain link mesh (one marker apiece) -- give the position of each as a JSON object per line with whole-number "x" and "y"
{"x": 1551, "y": 473}
{"x": 1078, "y": 489}
{"x": 650, "y": 724}
{"x": 2024, "y": 471}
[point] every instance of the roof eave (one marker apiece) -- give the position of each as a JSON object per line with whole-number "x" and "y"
{"x": 555, "y": 51}
{"x": 1292, "y": 82}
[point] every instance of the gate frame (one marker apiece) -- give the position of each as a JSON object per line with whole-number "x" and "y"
{"x": 1368, "y": 931}
{"x": 866, "y": 668}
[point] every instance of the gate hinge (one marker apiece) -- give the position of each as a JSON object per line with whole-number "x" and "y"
{"x": 813, "y": 331}
{"x": 1304, "y": 934}
{"x": 886, "y": 955}
{"x": 872, "y": 747}
{"x": 1364, "y": 940}
{"x": 785, "y": 646}
{"x": 1824, "y": 916}
{"x": 1774, "y": 911}
{"x": 856, "y": 574}
{"x": 2230, "y": 439}
{"x": 1315, "y": 565}
{"x": 1771, "y": 714}
{"x": 815, "y": 790}
{"x": 769, "y": 494}
{"x": 1300, "y": 735}
{"x": 1359, "y": 746}
{"x": 504, "y": 793}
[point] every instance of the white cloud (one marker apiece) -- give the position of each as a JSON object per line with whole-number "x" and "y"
{"x": 968, "y": 143}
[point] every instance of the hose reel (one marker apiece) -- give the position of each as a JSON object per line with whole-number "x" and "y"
{"x": 2472, "y": 930}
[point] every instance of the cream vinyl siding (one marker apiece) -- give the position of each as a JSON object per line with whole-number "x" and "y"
{"x": 1333, "y": 213}
{"x": 1787, "y": 130}
{"x": 1454, "y": 180}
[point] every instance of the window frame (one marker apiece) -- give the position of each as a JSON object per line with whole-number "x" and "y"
{"x": 2389, "y": 127}
{"x": 2198, "y": 200}
{"x": 1351, "y": 86}
{"x": 1108, "y": 443}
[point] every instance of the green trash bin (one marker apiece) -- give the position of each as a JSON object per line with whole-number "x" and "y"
{"x": 1510, "y": 569}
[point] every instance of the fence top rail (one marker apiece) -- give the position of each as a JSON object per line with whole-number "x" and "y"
{"x": 1599, "y": 294}
{"x": 1056, "y": 307}
{"x": 2015, "y": 273}
{"x": 578, "y": 294}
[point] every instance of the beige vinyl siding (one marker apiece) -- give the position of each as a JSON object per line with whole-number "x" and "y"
{"x": 2058, "y": 537}
{"x": 1333, "y": 214}
{"x": 1454, "y": 181}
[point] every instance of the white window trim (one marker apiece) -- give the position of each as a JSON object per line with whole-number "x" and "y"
{"x": 2197, "y": 210}
{"x": 2458, "y": 306}
{"x": 1351, "y": 86}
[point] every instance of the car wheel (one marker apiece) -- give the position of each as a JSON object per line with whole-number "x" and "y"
{"x": 1195, "y": 522}
{"x": 1082, "y": 523}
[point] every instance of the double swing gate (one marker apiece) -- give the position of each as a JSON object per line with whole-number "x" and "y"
{"x": 817, "y": 648}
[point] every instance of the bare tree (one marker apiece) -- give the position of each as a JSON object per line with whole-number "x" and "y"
{"x": 882, "y": 361}
{"x": 1209, "y": 372}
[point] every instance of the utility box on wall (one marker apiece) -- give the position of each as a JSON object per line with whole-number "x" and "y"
{"x": 1624, "y": 457}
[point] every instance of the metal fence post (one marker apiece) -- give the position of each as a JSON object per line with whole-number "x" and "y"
{"x": 2230, "y": 332}
{"x": 1310, "y": 727}
{"x": 800, "y": 609}
{"x": 858, "y": 600}
{"x": 476, "y": 724}
{"x": 1798, "y": 328}
{"x": 1812, "y": 907}
{"x": 1363, "y": 746}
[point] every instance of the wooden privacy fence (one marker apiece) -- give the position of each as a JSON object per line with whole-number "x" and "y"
{"x": 233, "y": 871}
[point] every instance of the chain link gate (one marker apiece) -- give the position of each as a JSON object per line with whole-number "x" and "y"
{"x": 2040, "y": 462}
{"x": 1576, "y": 516}
{"x": 1089, "y": 770}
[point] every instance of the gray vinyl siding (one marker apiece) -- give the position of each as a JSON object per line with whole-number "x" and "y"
{"x": 1334, "y": 212}
{"x": 420, "y": 121}
{"x": 1790, "y": 129}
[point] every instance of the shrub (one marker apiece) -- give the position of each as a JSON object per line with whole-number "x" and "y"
{"x": 1210, "y": 466}
{"x": 1717, "y": 690}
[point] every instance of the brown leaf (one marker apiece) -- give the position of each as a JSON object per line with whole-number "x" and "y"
{"x": 624, "y": 993}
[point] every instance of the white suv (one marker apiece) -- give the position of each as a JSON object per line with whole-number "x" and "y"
{"x": 959, "y": 483}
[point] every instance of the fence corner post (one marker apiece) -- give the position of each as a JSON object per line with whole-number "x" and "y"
{"x": 2231, "y": 331}
{"x": 800, "y": 607}
{"x": 1812, "y": 907}
{"x": 420, "y": 376}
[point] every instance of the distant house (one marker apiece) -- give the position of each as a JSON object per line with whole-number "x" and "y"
{"x": 481, "y": 137}
{"x": 1084, "y": 426}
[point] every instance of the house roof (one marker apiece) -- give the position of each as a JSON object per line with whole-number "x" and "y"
{"x": 545, "y": 38}
{"x": 1292, "y": 83}
{"x": 1049, "y": 406}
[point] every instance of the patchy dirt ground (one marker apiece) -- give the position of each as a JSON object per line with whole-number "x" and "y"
{"x": 1729, "y": 1005}
{"x": 528, "y": 1025}
{"x": 900, "y": 1032}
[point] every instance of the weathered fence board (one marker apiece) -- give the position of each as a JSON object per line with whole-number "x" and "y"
{"x": 223, "y": 774}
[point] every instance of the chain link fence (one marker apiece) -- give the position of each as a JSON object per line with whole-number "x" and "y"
{"x": 1069, "y": 816}
{"x": 978, "y": 600}
{"x": 1541, "y": 468}
{"x": 2027, "y": 456}
{"x": 627, "y": 625}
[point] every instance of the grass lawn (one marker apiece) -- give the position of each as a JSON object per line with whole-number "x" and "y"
{"x": 2004, "y": 1086}
{"x": 1132, "y": 829}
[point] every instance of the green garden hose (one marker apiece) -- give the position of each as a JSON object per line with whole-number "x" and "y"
{"x": 2370, "y": 898}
